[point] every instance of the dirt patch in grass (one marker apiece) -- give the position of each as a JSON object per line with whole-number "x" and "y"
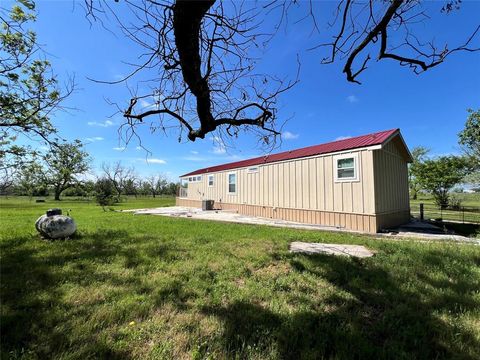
{"x": 273, "y": 270}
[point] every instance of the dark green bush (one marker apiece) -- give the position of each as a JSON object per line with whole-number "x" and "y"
{"x": 105, "y": 194}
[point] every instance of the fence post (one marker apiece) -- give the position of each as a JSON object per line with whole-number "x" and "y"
{"x": 421, "y": 211}
{"x": 463, "y": 214}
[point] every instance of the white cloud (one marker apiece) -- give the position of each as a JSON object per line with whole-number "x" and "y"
{"x": 155, "y": 161}
{"x": 194, "y": 152}
{"x": 219, "y": 147}
{"x": 287, "y": 135}
{"x": 145, "y": 103}
{"x": 95, "y": 138}
{"x": 194, "y": 158}
{"x": 120, "y": 148}
{"x": 343, "y": 137}
{"x": 106, "y": 123}
{"x": 352, "y": 99}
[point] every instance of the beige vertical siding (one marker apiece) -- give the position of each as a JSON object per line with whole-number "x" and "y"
{"x": 391, "y": 180}
{"x": 392, "y": 200}
{"x": 305, "y": 190}
{"x": 307, "y": 183}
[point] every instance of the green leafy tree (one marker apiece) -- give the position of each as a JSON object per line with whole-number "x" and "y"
{"x": 469, "y": 139}
{"x": 29, "y": 92}
{"x": 171, "y": 188}
{"x": 440, "y": 175}
{"x": 473, "y": 178}
{"x": 81, "y": 188}
{"x": 144, "y": 188}
{"x": 29, "y": 180}
{"x": 131, "y": 187}
{"x": 419, "y": 155}
{"x": 63, "y": 166}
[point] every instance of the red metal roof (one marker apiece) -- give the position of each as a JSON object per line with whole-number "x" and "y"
{"x": 377, "y": 138}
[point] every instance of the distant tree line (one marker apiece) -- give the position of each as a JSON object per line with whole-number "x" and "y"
{"x": 58, "y": 175}
{"x": 440, "y": 175}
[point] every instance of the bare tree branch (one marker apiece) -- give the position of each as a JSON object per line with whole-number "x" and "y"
{"x": 356, "y": 35}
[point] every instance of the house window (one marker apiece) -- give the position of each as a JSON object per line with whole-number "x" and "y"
{"x": 253, "y": 169}
{"x": 232, "y": 183}
{"x": 346, "y": 168}
{"x": 195, "y": 179}
{"x": 210, "y": 180}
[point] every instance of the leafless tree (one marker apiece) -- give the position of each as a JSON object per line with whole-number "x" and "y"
{"x": 119, "y": 175}
{"x": 203, "y": 53}
{"x": 390, "y": 26}
{"x": 156, "y": 184}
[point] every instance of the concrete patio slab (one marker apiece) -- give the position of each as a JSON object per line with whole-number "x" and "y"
{"x": 414, "y": 230}
{"x": 228, "y": 216}
{"x": 330, "y": 249}
{"x": 426, "y": 231}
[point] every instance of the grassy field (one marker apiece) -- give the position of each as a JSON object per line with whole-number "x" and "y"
{"x": 466, "y": 199}
{"x": 150, "y": 287}
{"x": 470, "y": 211}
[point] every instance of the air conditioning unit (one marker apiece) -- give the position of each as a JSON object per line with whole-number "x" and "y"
{"x": 207, "y": 205}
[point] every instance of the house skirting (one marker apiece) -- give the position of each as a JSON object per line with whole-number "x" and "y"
{"x": 358, "y": 222}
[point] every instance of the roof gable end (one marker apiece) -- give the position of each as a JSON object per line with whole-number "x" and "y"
{"x": 400, "y": 145}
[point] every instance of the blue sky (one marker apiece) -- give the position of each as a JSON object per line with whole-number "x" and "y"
{"x": 430, "y": 108}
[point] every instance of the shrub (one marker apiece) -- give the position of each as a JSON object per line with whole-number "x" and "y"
{"x": 105, "y": 193}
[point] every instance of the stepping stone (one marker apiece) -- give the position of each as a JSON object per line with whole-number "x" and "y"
{"x": 330, "y": 249}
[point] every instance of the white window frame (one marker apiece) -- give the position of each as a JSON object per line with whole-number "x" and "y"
{"x": 252, "y": 170}
{"x": 196, "y": 178}
{"x": 228, "y": 183}
{"x": 356, "y": 168}
{"x": 208, "y": 180}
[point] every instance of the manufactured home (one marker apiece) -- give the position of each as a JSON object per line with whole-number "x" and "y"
{"x": 360, "y": 183}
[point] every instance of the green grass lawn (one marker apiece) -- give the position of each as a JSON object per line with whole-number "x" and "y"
{"x": 470, "y": 213}
{"x": 150, "y": 287}
{"x": 466, "y": 199}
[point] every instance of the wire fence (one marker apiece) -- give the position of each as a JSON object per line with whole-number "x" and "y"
{"x": 462, "y": 214}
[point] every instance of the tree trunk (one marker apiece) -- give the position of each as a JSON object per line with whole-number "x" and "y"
{"x": 187, "y": 18}
{"x": 57, "y": 193}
